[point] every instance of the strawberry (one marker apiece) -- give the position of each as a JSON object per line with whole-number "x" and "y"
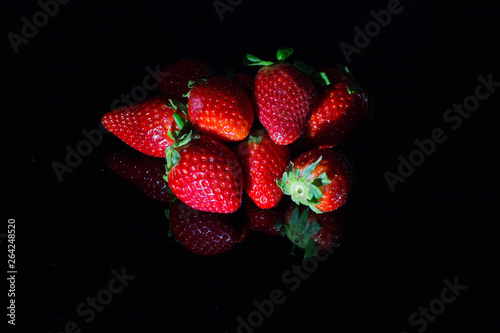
{"x": 263, "y": 162}
{"x": 320, "y": 179}
{"x": 220, "y": 108}
{"x": 144, "y": 126}
{"x": 312, "y": 232}
{"x": 203, "y": 233}
{"x": 342, "y": 106}
{"x": 284, "y": 97}
{"x": 176, "y": 76}
{"x": 143, "y": 172}
{"x": 262, "y": 219}
{"x": 272, "y": 230}
{"x": 204, "y": 174}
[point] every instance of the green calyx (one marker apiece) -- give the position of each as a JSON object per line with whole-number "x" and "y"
{"x": 319, "y": 77}
{"x": 300, "y": 232}
{"x": 353, "y": 87}
{"x": 191, "y": 85}
{"x": 282, "y": 54}
{"x": 183, "y": 125}
{"x": 302, "y": 187}
{"x": 172, "y": 154}
{"x": 256, "y": 138}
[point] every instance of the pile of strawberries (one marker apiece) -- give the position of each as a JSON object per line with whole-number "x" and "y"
{"x": 258, "y": 146}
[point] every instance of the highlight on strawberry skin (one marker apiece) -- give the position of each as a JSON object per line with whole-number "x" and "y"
{"x": 144, "y": 126}
{"x": 251, "y": 151}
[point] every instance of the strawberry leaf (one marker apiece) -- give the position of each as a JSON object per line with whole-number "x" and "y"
{"x": 252, "y": 58}
{"x": 302, "y": 220}
{"x": 303, "y": 67}
{"x": 353, "y": 88}
{"x": 179, "y": 106}
{"x": 256, "y": 138}
{"x": 310, "y": 168}
{"x": 170, "y": 135}
{"x": 172, "y": 155}
{"x": 294, "y": 219}
{"x": 300, "y": 232}
{"x": 315, "y": 193}
{"x": 311, "y": 249}
{"x": 284, "y": 53}
{"x": 321, "y": 78}
{"x": 179, "y": 121}
{"x": 311, "y": 229}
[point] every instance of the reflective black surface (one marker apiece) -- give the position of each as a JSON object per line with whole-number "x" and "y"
{"x": 95, "y": 235}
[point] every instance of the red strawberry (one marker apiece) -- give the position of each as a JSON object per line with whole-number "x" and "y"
{"x": 341, "y": 108}
{"x": 176, "y": 76}
{"x": 262, "y": 219}
{"x": 263, "y": 162}
{"x": 310, "y": 231}
{"x": 205, "y": 174}
{"x": 284, "y": 97}
{"x": 203, "y": 233}
{"x": 144, "y": 172}
{"x": 319, "y": 178}
{"x": 144, "y": 126}
{"x": 272, "y": 230}
{"x": 221, "y": 108}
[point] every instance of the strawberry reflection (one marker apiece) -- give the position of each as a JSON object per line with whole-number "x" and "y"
{"x": 264, "y": 220}
{"x": 208, "y": 234}
{"x": 204, "y": 233}
{"x": 312, "y": 232}
{"x": 142, "y": 171}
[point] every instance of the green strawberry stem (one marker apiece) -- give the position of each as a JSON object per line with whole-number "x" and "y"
{"x": 319, "y": 77}
{"x": 256, "y": 138}
{"x": 302, "y": 187}
{"x": 184, "y": 125}
{"x": 300, "y": 232}
{"x": 282, "y": 55}
{"x": 191, "y": 85}
{"x": 179, "y": 106}
{"x": 172, "y": 155}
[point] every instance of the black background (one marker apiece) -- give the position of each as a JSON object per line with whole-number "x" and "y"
{"x": 398, "y": 247}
